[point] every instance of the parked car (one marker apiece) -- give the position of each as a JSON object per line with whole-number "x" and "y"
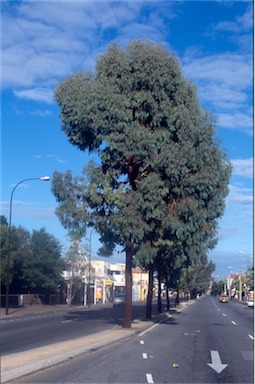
{"x": 250, "y": 299}
{"x": 118, "y": 300}
{"x": 223, "y": 298}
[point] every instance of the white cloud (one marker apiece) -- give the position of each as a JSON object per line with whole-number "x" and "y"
{"x": 236, "y": 121}
{"x": 224, "y": 80}
{"x": 224, "y": 83}
{"x": 242, "y": 23}
{"x": 41, "y": 113}
{"x": 239, "y": 195}
{"x": 44, "y": 42}
{"x": 61, "y": 161}
{"x": 36, "y": 94}
{"x": 243, "y": 167}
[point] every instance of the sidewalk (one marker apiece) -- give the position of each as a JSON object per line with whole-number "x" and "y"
{"x": 20, "y": 364}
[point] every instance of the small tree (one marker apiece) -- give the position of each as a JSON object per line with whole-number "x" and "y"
{"x": 77, "y": 264}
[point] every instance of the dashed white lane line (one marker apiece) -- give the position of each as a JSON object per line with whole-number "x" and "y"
{"x": 149, "y": 378}
{"x": 141, "y": 342}
{"x": 224, "y": 314}
{"x": 251, "y": 337}
{"x": 233, "y": 322}
{"x": 145, "y": 356}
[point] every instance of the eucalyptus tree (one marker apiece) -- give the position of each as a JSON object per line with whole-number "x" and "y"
{"x": 196, "y": 278}
{"x": 161, "y": 175}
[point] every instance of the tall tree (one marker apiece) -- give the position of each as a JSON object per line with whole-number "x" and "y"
{"x": 36, "y": 260}
{"x": 41, "y": 270}
{"x": 161, "y": 173}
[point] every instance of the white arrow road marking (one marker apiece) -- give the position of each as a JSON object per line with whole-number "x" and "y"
{"x": 149, "y": 378}
{"x": 216, "y": 363}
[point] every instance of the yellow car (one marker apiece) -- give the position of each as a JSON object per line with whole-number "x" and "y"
{"x": 223, "y": 298}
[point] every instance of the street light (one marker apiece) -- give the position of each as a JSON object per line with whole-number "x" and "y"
{"x": 44, "y": 178}
{"x": 89, "y": 265}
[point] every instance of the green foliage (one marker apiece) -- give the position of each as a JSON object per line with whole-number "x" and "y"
{"x": 41, "y": 270}
{"x": 4, "y": 250}
{"x": 3, "y": 221}
{"x": 217, "y": 287}
{"x": 196, "y": 278}
{"x": 35, "y": 261}
{"x": 250, "y": 278}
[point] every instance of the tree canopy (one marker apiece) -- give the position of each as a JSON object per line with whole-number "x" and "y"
{"x": 161, "y": 180}
{"x": 36, "y": 260}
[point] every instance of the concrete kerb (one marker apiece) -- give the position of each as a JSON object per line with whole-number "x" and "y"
{"x": 16, "y": 365}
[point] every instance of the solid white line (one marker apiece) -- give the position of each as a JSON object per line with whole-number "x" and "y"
{"x": 233, "y": 322}
{"x": 145, "y": 356}
{"x": 154, "y": 325}
{"x": 149, "y": 329}
{"x": 251, "y": 337}
{"x": 149, "y": 378}
{"x": 141, "y": 342}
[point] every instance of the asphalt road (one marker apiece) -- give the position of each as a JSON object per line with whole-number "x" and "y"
{"x": 22, "y": 334}
{"x": 207, "y": 342}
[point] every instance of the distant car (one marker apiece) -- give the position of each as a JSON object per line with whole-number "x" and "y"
{"x": 250, "y": 303}
{"x": 223, "y": 298}
{"x": 118, "y": 300}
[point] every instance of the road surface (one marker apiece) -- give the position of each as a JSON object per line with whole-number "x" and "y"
{"x": 206, "y": 342}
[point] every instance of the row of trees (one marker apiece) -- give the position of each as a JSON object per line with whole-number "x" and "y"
{"x": 36, "y": 261}
{"x": 160, "y": 180}
{"x": 245, "y": 281}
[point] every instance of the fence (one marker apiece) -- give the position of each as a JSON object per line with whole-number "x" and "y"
{"x": 22, "y": 300}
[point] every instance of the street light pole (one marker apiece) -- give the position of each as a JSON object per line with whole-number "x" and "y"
{"x": 89, "y": 266}
{"x": 44, "y": 178}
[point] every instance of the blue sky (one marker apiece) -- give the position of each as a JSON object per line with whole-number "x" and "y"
{"x": 45, "y": 41}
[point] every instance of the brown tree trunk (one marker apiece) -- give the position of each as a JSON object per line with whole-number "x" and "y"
{"x": 159, "y": 288}
{"x": 127, "y": 320}
{"x": 149, "y": 296}
{"x": 167, "y": 298}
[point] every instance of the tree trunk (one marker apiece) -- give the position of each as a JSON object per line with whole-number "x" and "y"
{"x": 149, "y": 296}
{"x": 159, "y": 288}
{"x": 127, "y": 321}
{"x": 167, "y": 298}
{"x": 177, "y": 297}
{"x": 167, "y": 277}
